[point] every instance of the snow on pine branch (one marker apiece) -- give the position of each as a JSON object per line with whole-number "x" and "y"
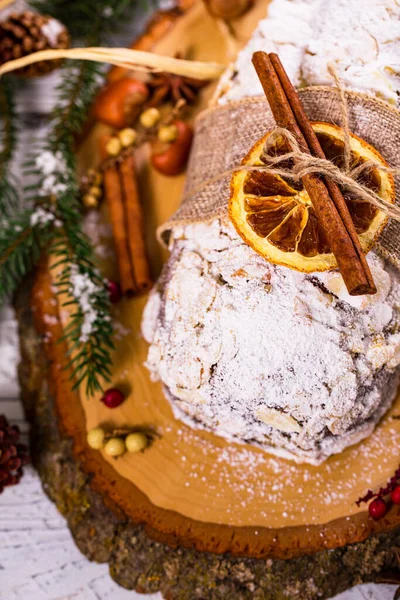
{"x": 86, "y": 292}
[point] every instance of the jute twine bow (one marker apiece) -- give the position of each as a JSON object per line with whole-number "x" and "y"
{"x": 348, "y": 177}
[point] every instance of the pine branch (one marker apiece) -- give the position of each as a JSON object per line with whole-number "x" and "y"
{"x": 8, "y": 135}
{"x": 80, "y": 83}
{"x": 89, "y": 332}
{"x": 20, "y": 248}
{"x": 54, "y": 222}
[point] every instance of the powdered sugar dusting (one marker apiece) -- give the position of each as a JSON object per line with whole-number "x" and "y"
{"x": 361, "y": 39}
{"x": 269, "y": 356}
{"x": 99, "y": 232}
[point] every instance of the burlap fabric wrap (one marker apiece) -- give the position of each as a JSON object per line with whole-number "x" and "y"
{"x": 224, "y": 135}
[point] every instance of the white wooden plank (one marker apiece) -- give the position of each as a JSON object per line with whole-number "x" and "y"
{"x": 38, "y": 558}
{"x": 65, "y": 581}
{"x": 12, "y": 408}
{"x": 368, "y": 592}
{"x": 9, "y": 354}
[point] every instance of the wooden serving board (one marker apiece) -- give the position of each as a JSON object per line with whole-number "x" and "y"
{"x": 194, "y": 516}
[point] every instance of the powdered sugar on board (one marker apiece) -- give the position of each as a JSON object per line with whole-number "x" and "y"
{"x": 265, "y": 489}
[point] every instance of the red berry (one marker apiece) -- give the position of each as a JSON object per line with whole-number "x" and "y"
{"x": 378, "y": 508}
{"x": 113, "y": 398}
{"x": 395, "y": 495}
{"x": 114, "y": 289}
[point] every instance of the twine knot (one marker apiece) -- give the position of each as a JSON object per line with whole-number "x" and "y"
{"x": 349, "y": 178}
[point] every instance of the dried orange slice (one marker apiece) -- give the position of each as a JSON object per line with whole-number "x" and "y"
{"x": 276, "y": 217}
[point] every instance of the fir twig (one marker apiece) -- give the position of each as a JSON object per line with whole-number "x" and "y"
{"x": 80, "y": 82}
{"x": 89, "y": 332}
{"x": 20, "y": 247}
{"x": 54, "y": 220}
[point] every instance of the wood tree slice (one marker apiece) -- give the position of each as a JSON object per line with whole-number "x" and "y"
{"x": 193, "y": 516}
{"x": 104, "y": 533}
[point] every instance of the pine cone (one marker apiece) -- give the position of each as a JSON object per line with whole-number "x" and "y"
{"x": 27, "y": 32}
{"x": 13, "y": 456}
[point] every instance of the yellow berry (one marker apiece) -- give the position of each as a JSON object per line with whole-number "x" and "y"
{"x": 150, "y": 117}
{"x": 91, "y": 173}
{"x": 113, "y": 146}
{"x": 168, "y": 133}
{"x": 114, "y": 447}
{"x": 97, "y": 178}
{"x": 90, "y": 201}
{"x": 95, "y": 438}
{"x": 95, "y": 191}
{"x": 127, "y": 137}
{"x": 135, "y": 442}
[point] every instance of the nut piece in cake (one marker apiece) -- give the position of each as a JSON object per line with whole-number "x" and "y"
{"x": 279, "y": 420}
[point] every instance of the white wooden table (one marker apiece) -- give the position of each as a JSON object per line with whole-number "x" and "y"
{"x": 38, "y": 558}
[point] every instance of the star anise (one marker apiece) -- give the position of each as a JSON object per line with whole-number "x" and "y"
{"x": 166, "y": 87}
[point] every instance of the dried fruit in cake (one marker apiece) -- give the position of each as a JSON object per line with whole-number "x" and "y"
{"x": 276, "y": 217}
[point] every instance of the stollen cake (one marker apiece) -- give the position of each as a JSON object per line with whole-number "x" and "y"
{"x": 258, "y": 353}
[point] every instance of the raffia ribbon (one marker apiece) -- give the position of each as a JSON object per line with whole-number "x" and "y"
{"x": 136, "y": 60}
{"x": 224, "y": 135}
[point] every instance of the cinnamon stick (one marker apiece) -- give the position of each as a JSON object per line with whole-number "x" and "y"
{"x": 355, "y": 272}
{"x": 316, "y": 149}
{"x": 122, "y": 197}
{"x": 114, "y": 199}
{"x": 134, "y": 224}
